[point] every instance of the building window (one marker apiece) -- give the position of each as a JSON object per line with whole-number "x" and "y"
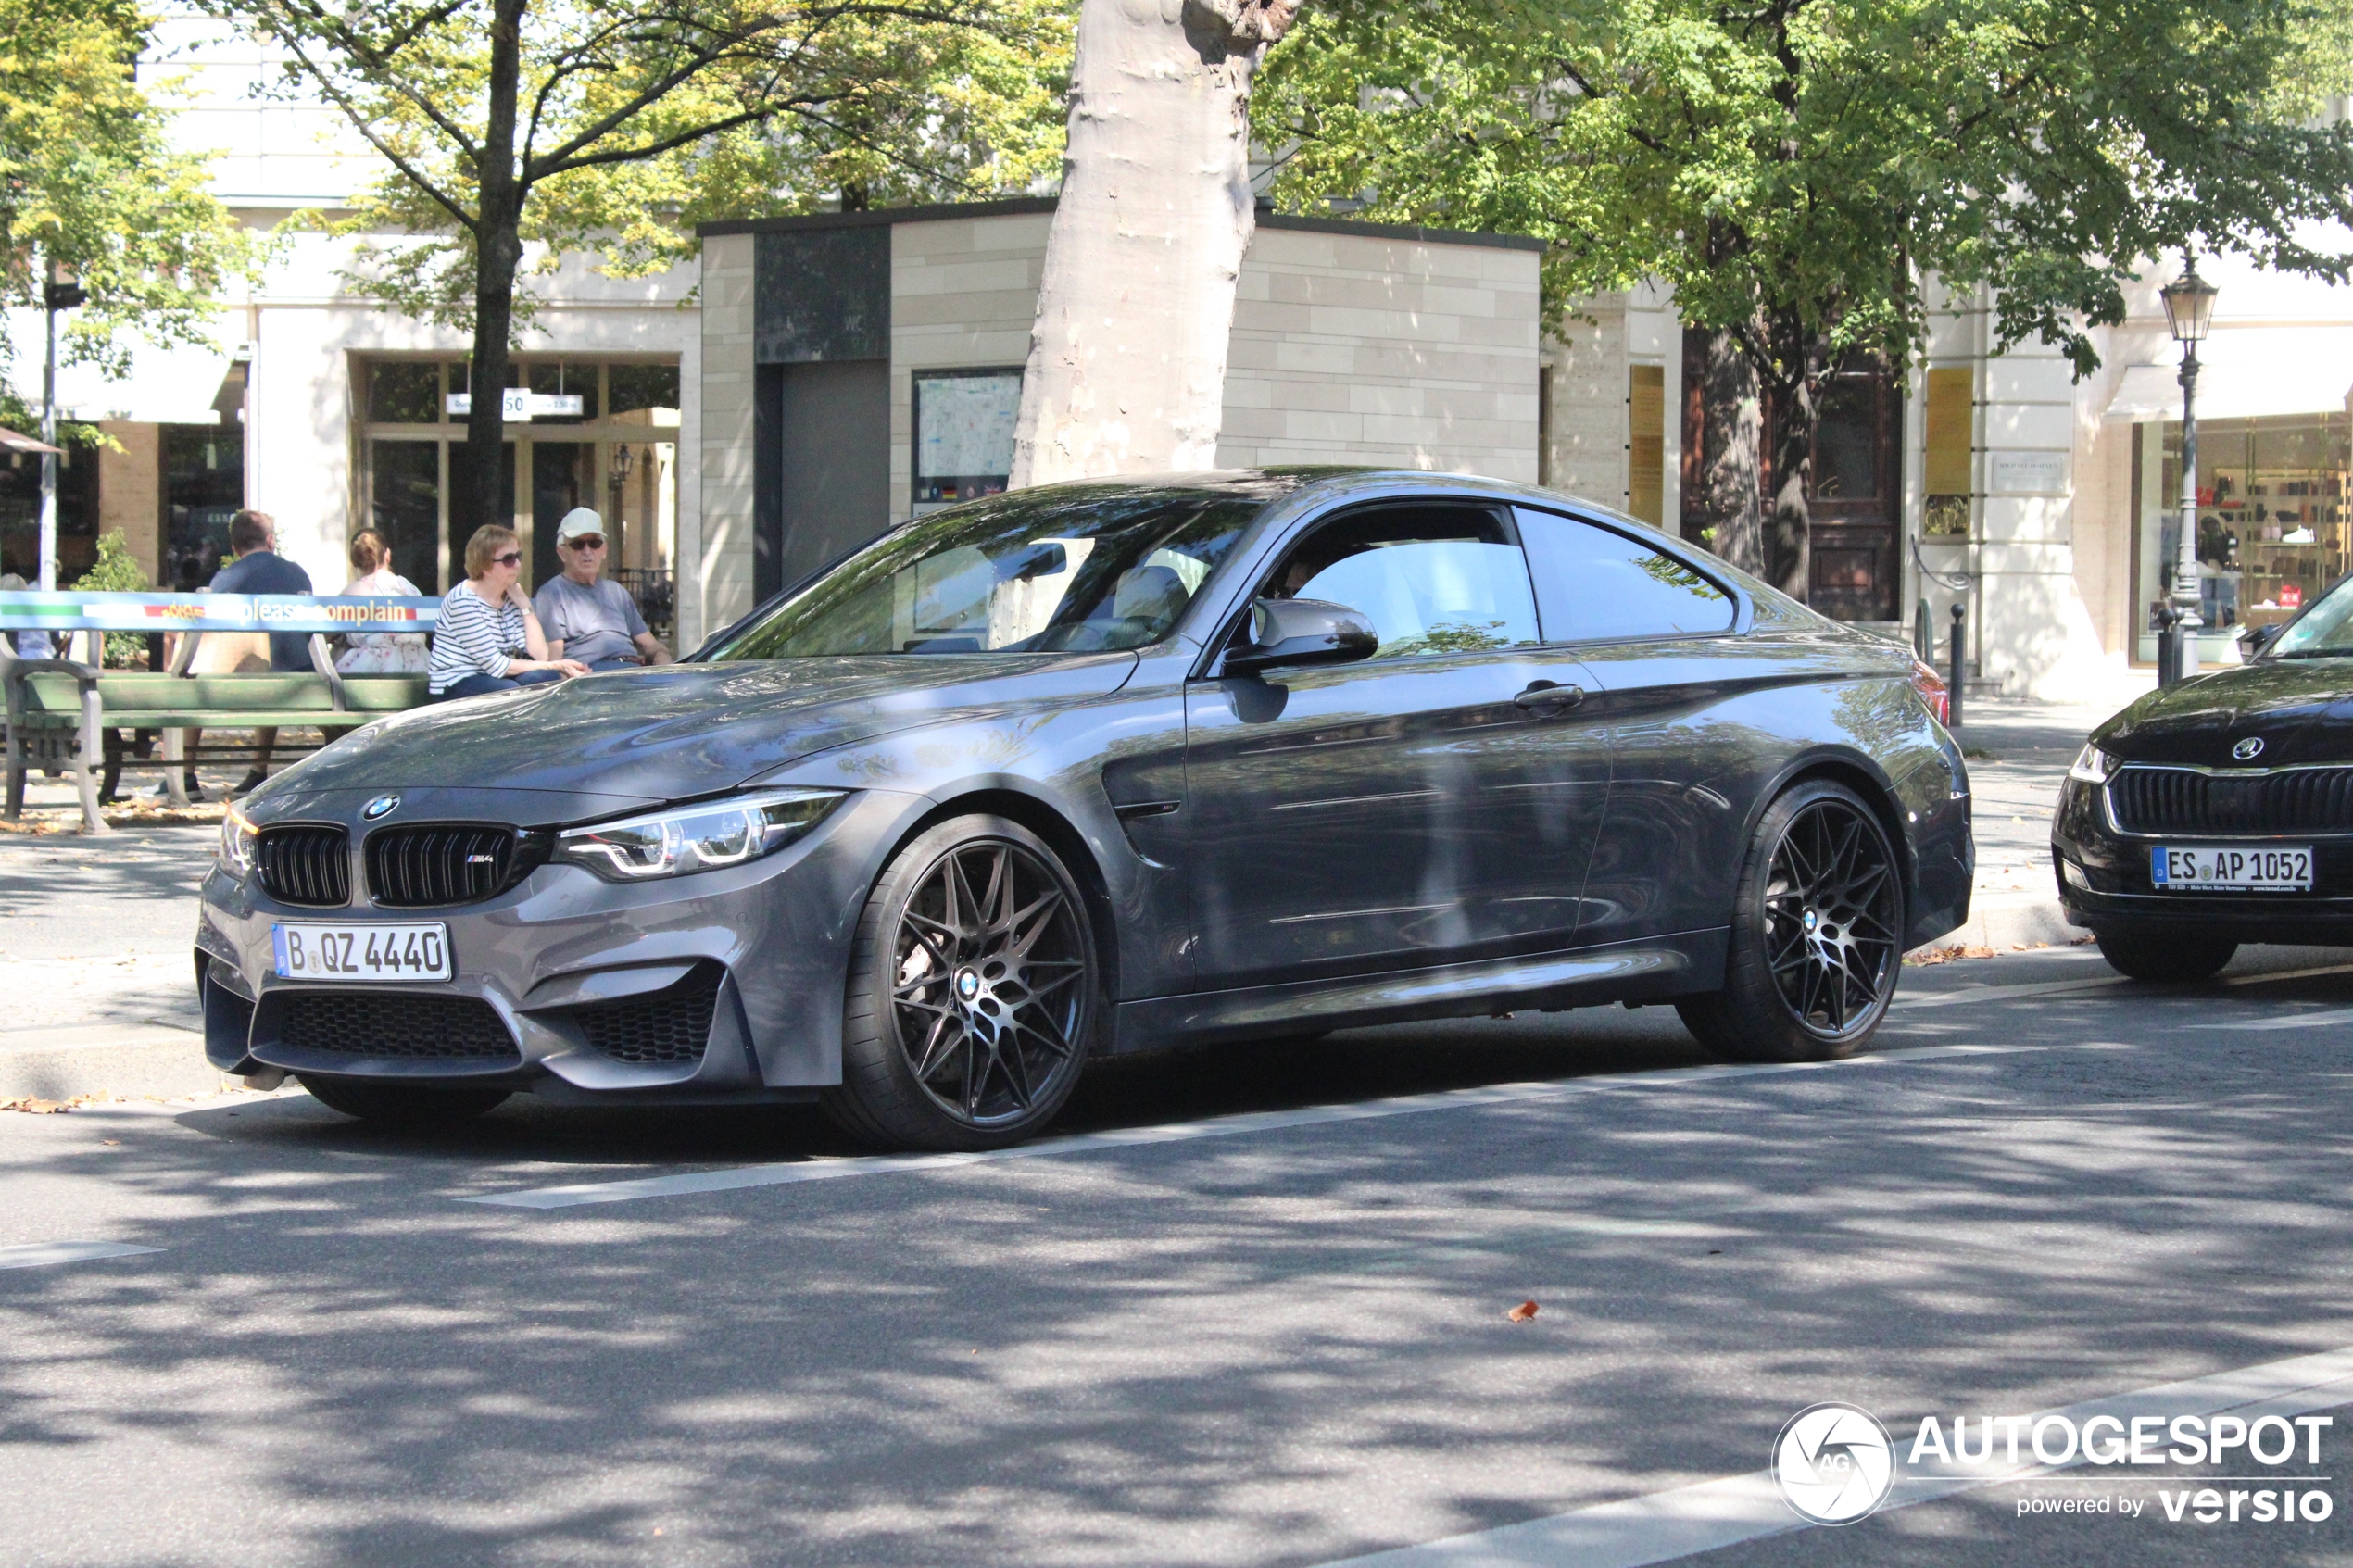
{"x": 2272, "y": 524}
{"x": 603, "y": 433}
{"x": 204, "y": 483}
{"x": 77, "y": 514}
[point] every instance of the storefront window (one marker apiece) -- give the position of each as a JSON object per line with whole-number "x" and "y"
{"x": 2272, "y": 523}
{"x": 204, "y": 483}
{"x": 77, "y": 514}
{"x": 603, "y": 433}
{"x": 406, "y": 492}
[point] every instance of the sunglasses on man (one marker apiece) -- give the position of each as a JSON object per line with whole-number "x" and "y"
{"x": 586, "y": 542}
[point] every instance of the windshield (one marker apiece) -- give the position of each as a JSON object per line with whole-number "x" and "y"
{"x": 1072, "y": 568}
{"x": 2324, "y": 631}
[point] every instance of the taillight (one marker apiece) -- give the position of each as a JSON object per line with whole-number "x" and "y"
{"x": 1933, "y": 690}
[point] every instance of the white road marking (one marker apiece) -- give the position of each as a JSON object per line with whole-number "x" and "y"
{"x": 40, "y": 1254}
{"x": 779, "y": 1175}
{"x": 2056, "y": 988}
{"x": 2289, "y": 974}
{"x": 2006, "y": 993}
{"x": 2291, "y": 1021}
{"x": 1713, "y": 1514}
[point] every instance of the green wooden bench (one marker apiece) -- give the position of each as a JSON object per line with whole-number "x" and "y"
{"x": 61, "y": 710}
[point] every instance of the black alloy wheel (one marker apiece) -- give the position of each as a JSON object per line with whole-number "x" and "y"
{"x": 1817, "y": 935}
{"x": 974, "y": 992}
{"x": 396, "y": 1104}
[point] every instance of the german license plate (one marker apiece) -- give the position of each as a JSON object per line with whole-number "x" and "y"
{"x": 361, "y": 952}
{"x": 2222, "y": 868}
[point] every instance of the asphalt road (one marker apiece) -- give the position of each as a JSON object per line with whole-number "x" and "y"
{"x": 1255, "y": 1313}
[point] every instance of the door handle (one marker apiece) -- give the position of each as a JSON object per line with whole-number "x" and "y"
{"x": 1549, "y": 694}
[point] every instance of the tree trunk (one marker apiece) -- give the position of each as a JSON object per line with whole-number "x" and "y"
{"x": 1126, "y": 369}
{"x": 1796, "y": 414}
{"x": 1804, "y": 358}
{"x": 497, "y": 256}
{"x": 1732, "y": 487}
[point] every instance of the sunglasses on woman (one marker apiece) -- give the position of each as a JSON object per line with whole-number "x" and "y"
{"x": 513, "y": 558}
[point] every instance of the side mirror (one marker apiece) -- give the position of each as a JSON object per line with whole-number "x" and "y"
{"x": 2257, "y": 638}
{"x": 1296, "y": 631}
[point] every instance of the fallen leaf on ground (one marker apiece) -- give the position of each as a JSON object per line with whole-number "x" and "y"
{"x": 35, "y": 1106}
{"x": 1522, "y": 1312}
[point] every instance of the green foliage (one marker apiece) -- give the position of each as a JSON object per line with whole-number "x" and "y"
{"x": 89, "y": 181}
{"x": 1450, "y": 636}
{"x": 1795, "y": 168}
{"x": 637, "y": 119}
{"x": 117, "y": 571}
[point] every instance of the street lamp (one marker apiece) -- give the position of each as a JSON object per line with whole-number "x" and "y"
{"x": 617, "y": 479}
{"x": 2189, "y": 311}
{"x": 60, "y": 293}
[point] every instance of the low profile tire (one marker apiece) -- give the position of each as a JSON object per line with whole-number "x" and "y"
{"x": 974, "y": 993}
{"x": 2157, "y": 956}
{"x": 407, "y": 1105}
{"x": 1817, "y": 938}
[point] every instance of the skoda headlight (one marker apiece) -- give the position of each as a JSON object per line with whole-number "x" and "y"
{"x": 701, "y": 837}
{"x": 237, "y": 838}
{"x": 2093, "y": 765}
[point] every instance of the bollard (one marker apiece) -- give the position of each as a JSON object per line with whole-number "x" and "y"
{"x": 2168, "y": 661}
{"x": 1961, "y": 644}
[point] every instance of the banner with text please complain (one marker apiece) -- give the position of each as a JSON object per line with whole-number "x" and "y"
{"x": 329, "y": 614}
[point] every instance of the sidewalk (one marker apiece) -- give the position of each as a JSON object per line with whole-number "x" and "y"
{"x": 2018, "y": 754}
{"x": 97, "y": 985}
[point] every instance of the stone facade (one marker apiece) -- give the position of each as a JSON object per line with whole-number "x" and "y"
{"x": 1355, "y": 348}
{"x": 1350, "y": 343}
{"x": 715, "y": 511}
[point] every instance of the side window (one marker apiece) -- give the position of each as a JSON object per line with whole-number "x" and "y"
{"x": 1596, "y": 585}
{"x": 1432, "y": 579}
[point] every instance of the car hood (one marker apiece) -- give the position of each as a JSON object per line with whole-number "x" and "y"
{"x": 2300, "y": 708}
{"x": 687, "y": 730}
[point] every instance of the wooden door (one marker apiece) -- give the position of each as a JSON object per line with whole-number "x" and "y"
{"x": 1857, "y": 501}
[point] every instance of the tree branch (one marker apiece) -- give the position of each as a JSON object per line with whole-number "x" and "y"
{"x": 360, "y": 122}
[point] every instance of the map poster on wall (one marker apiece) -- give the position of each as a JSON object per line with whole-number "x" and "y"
{"x": 963, "y": 434}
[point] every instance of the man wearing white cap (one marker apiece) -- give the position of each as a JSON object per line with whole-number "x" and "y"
{"x": 585, "y": 616}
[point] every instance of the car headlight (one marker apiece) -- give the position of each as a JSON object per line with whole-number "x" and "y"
{"x": 237, "y": 839}
{"x": 2093, "y": 765}
{"x": 701, "y": 837}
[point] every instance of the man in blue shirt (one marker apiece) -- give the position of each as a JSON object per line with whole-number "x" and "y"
{"x": 258, "y": 569}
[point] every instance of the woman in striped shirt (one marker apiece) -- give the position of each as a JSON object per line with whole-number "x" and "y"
{"x": 488, "y": 639}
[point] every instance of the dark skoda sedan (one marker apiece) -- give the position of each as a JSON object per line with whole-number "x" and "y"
{"x": 2220, "y": 810}
{"x": 1099, "y": 768}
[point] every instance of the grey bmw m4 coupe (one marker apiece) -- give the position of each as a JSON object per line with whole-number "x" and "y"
{"x": 1099, "y": 768}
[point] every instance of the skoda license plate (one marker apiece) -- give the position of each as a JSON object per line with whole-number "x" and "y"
{"x": 2222, "y": 868}
{"x": 361, "y": 952}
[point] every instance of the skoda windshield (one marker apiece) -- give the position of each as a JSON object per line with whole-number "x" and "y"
{"x": 1066, "y": 569}
{"x": 2325, "y": 631}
